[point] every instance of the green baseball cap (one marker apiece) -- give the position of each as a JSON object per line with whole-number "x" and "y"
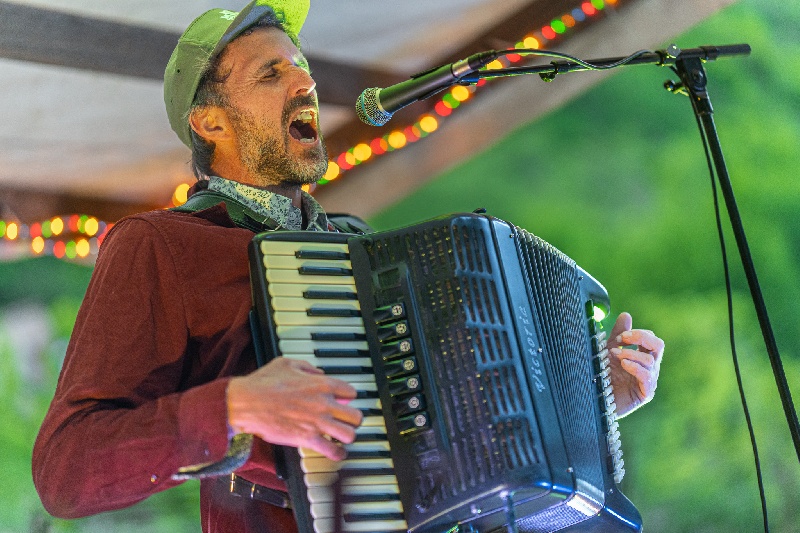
{"x": 204, "y": 39}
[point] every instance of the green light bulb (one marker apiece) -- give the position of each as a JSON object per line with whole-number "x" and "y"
{"x": 599, "y": 314}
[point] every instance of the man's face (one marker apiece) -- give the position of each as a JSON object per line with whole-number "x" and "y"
{"x": 272, "y": 105}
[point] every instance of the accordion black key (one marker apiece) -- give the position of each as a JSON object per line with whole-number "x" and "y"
{"x": 481, "y": 369}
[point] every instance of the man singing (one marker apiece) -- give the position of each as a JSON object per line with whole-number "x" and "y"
{"x": 160, "y": 377}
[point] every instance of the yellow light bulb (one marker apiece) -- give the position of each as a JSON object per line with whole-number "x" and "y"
{"x": 82, "y": 247}
{"x": 531, "y": 42}
{"x": 333, "y": 171}
{"x": 12, "y": 231}
{"x": 460, "y": 93}
{"x": 362, "y": 151}
{"x": 57, "y": 226}
{"x": 91, "y": 226}
{"x": 397, "y": 139}
{"x": 180, "y": 195}
{"x": 428, "y": 124}
{"x": 37, "y": 245}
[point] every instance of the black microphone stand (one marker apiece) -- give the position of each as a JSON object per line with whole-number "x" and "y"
{"x": 689, "y": 66}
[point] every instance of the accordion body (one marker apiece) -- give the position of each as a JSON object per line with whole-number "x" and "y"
{"x": 489, "y": 368}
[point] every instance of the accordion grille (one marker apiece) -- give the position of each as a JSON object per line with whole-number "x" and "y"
{"x": 553, "y": 285}
{"x": 465, "y": 321}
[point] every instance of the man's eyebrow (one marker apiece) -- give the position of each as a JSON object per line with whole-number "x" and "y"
{"x": 299, "y": 60}
{"x": 267, "y": 66}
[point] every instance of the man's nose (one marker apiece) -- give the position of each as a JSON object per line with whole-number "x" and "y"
{"x": 305, "y": 84}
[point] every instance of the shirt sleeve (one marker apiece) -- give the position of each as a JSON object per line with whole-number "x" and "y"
{"x": 122, "y": 421}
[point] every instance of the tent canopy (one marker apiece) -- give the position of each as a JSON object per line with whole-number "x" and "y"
{"x": 86, "y": 129}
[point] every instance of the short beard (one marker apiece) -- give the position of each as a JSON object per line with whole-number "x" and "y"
{"x": 267, "y": 156}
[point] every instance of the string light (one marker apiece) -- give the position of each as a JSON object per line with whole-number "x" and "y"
{"x": 37, "y": 244}
{"x": 531, "y": 42}
{"x": 453, "y": 98}
{"x": 332, "y": 173}
{"x": 460, "y": 93}
{"x": 56, "y": 226}
{"x": 379, "y": 146}
{"x": 180, "y": 195}
{"x": 91, "y": 226}
{"x": 362, "y": 152}
{"x": 42, "y": 236}
{"x": 70, "y": 237}
{"x": 428, "y": 124}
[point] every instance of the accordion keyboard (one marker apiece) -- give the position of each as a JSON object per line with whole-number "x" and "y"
{"x": 317, "y": 318}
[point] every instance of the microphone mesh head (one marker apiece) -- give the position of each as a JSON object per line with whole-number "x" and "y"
{"x": 369, "y": 110}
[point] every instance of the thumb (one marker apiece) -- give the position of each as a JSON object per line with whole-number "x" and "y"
{"x": 624, "y": 323}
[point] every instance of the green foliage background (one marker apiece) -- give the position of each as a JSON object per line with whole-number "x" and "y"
{"x": 617, "y": 180}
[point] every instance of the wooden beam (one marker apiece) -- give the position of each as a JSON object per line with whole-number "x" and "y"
{"x": 57, "y": 38}
{"x": 29, "y": 206}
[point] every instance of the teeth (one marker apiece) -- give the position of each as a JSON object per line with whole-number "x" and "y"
{"x": 306, "y": 116}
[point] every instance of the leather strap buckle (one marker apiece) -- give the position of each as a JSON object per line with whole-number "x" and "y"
{"x": 243, "y": 488}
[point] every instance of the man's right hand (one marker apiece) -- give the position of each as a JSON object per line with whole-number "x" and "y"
{"x": 293, "y": 403}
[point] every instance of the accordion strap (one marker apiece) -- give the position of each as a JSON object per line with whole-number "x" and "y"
{"x": 242, "y": 216}
{"x": 246, "y": 218}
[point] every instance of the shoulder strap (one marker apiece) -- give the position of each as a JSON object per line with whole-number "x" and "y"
{"x": 242, "y": 216}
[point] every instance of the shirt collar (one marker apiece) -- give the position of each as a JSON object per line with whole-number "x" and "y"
{"x": 275, "y": 206}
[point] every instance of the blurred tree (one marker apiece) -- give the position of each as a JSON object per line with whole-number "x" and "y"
{"x": 40, "y": 300}
{"x": 617, "y": 180}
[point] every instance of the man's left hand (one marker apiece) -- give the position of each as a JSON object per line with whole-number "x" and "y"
{"x": 635, "y": 356}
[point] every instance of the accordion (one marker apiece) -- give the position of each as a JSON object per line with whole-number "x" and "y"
{"x": 481, "y": 369}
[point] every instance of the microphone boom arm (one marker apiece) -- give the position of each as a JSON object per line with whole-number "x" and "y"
{"x": 660, "y": 57}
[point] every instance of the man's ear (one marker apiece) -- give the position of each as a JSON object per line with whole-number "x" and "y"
{"x": 210, "y": 122}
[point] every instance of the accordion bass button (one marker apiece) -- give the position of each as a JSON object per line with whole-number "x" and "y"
{"x": 409, "y": 405}
{"x": 391, "y": 332}
{"x": 415, "y": 422}
{"x": 404, "y": 385}
{"x": 397, "y": 349}
{"x": 400, "y": 367}
{"x": 388, "y": 313}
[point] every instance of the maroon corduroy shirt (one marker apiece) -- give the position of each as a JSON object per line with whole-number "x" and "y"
{"x": 163, "y": 326}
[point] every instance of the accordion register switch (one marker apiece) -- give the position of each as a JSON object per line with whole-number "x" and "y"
{"x": 404, "y": 384}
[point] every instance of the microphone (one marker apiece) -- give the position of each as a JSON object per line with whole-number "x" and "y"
{"x": 376, "y": 106}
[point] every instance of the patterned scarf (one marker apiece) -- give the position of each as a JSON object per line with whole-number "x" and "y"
{"x": 278, "y": 208}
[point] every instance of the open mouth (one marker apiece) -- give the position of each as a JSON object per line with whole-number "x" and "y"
{"x": 304, "y": 126}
